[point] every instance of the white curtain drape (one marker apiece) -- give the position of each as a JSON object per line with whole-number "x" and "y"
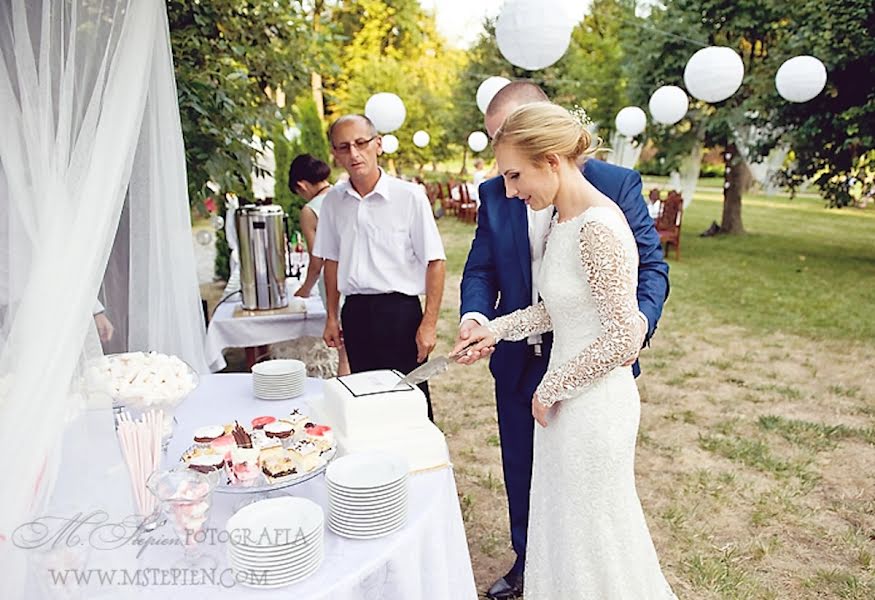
{"x": 88, "y": 116}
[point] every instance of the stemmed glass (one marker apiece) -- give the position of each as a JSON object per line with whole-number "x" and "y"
{"x": 186, "y": 497}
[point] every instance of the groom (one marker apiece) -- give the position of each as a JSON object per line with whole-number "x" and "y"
{"x": 502, "y": 265}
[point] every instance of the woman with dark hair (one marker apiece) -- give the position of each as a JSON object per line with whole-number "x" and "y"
{"x": 308, "y": 177}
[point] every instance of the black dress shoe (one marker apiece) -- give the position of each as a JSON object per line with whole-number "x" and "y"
{"x": 509, "y": 586}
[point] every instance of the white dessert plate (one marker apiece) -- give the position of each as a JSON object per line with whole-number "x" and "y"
{"x": 280, "y": 564}
{"x": 367, "y": 494}
{"x": 357, "y": 520}
{"x": 271, "y": 583}
{"x": 286, "y": 366}
{"x": 300, "y": 544}
{"x": 366, "y": 471}
{"x": 367, "y": 535}
{"x": 280, "y": 518}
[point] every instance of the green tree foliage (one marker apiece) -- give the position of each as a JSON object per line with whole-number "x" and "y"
{"x": 227, "y": 55}
{"x": 393, "y": 46}
{"x": 592, "y": 74}
{"x": 832, "y": 136}
{"x": 312, "y": 139}
{"x": 829, "y": 136}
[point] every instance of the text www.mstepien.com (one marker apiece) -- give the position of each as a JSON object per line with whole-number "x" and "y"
{"x": 155, "y": 577}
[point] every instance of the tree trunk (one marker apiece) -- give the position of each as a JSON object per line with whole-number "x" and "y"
{"x": 736, "y": 180}
{"x": 464, "y": 170}
{"x": 316, "y": 88}
{"x": 316, "y": 78}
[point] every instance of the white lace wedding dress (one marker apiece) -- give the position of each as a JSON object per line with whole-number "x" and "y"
{"x": 587, "y": 536}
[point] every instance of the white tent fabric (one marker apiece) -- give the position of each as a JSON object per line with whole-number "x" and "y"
{"x": 89, "y": 117}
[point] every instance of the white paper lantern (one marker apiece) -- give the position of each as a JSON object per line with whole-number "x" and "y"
{"x": 713, "y": 74}
{"x": 533, "y": 35}
{"x": 386, "y": 111}
{"x": 668, "y": 104}
{"x": 801, "y": 78}
{"x": 390, "y": 144}
{"x": 487, "y": 91}
{"x": 421, "y": 139}
{"x": 478, "y": 141}
{"x": 631, "y": 121}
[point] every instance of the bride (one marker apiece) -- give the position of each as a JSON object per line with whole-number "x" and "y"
{"x": 587, "y": 536}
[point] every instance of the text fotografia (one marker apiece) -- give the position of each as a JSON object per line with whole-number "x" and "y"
{"x": 156, "y": 577}
{"x": 98, "y": 531}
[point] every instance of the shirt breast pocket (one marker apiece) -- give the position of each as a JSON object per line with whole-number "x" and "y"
{"x": 391, "y": 248}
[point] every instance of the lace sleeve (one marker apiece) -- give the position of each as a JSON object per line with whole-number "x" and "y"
{"x": 522, "y": 323}
{"x": 613, "y": 286}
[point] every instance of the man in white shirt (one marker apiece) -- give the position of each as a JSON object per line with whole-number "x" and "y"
{"x": 382, "y": 250}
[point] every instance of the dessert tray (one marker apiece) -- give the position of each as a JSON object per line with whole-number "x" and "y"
{"x": 269, "y": 453}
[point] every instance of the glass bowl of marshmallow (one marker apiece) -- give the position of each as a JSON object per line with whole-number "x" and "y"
{"x": 140, "y": 382}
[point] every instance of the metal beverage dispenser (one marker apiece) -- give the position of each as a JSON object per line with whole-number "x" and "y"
{"x": 263, "y": 254}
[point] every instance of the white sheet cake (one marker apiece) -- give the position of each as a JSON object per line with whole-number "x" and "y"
{"x": 367, "y": 413}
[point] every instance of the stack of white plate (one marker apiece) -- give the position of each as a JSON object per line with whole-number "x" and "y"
{"x": 367, "y": 494}
{"x": 279, "y": 379}
{"x": 276, "y": 542}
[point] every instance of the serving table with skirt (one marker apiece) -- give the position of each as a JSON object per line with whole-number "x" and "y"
{"x": 427, "y": 558}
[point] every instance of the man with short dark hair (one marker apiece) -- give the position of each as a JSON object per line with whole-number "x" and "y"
{"x": 501, "y": 276}
{"x": 382, "y": 250}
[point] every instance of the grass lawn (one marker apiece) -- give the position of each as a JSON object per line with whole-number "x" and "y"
{"x": 800, "y": 269}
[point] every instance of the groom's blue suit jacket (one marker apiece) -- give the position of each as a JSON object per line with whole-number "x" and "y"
{"x": 498, "y": 274}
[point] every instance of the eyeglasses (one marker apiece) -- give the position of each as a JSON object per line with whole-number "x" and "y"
{"x": 347, "y": 146}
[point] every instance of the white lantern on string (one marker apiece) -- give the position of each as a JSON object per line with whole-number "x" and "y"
{"x": 713, "y": 74}
{"x": 478, "y": 141}
{"x": 487, "y": 91}
{"x": 390, "y": 144}
{"x": 668, "y": 104}
{"x": 801, "y": 78}
{"x": 386, "y": 111}
{"x": 631, "y": 121}
{"x": 421, "y": 139}
{"x": 533, "y": 35}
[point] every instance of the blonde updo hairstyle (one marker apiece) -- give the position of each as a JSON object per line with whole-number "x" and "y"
{"x": 541, "y": 128}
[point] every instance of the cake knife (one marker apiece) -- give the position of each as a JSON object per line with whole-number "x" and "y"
{"x": 430, "y": 368}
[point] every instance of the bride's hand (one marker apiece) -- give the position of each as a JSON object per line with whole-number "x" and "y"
{"x": 472, "y": 344}
{"x": 539, "y": 411}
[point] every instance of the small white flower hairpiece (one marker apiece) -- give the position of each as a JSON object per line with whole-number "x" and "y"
{"x": 579, "y": 114}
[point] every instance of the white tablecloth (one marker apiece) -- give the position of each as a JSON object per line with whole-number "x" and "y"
{"x": 426, "y": 559}
{"x": 227, "y": 331}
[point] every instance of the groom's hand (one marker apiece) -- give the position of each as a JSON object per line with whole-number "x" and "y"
{"x": 464, "y": 338}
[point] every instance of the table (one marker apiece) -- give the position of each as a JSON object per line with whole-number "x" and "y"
{"x": 227, "y": 331}
{"x": 426, "y": 559}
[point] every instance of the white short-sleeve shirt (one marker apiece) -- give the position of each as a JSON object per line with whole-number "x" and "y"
{"x": 382, "y": 242}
